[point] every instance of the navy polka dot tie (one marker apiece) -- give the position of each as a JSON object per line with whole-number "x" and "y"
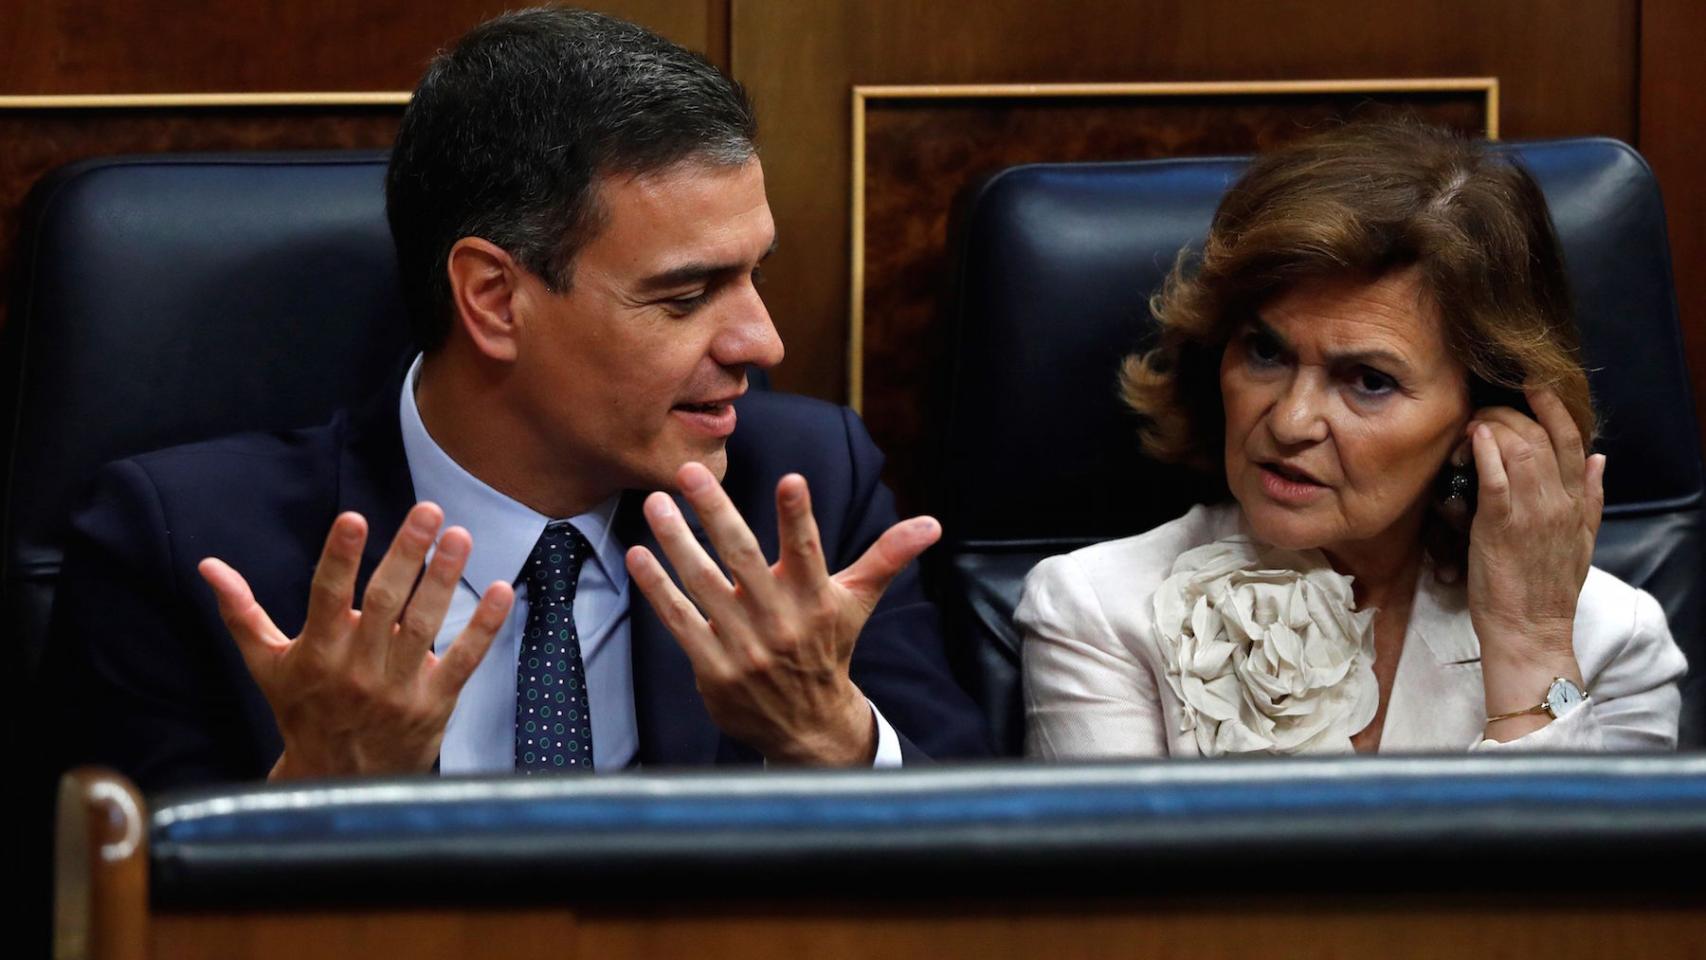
{"x": 553, "y": 731}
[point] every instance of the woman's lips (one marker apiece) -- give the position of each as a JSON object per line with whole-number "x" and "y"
{"x": 1289, "y": 486}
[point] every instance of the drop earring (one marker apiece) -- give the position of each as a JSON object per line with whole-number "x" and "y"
{"x": 1458, "y": 482}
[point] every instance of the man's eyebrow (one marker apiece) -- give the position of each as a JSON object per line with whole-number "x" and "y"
{"x": 1351, "y": 358}
{"x": 689, "y": 274}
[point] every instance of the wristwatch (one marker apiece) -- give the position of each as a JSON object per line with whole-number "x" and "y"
{"x": 1561, "y": 697}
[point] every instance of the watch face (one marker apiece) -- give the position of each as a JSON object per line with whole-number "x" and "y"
{"x": 1562, "y": 697}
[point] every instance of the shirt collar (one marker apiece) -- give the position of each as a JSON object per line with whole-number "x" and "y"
{"x": 504, "y": 530}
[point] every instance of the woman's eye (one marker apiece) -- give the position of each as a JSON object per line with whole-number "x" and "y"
{"x": 1372, "y": 383}
{"x": 1263, "y": 349}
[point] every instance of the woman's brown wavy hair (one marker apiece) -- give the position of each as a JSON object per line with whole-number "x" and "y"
{"x": 1361, "y": 200}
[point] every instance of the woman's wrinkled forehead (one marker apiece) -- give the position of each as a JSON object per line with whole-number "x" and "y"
{"x": 1354, "y": 319}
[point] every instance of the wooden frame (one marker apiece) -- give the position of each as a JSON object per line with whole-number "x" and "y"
{"x": 159, "y": 101}
{"x": 1488, "y": 87}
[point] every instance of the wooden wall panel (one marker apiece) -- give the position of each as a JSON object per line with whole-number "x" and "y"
{"x": 1564, "y": 69}
{"x": 1673, "y": 139}
{"x": 138, "y": 46}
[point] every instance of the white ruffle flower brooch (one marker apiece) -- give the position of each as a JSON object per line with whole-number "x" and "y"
{"x": 1266, "y": 650}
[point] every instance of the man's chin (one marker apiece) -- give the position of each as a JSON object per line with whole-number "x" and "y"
{"x": 717, "y": 461}
{"x": 662, "y": 474}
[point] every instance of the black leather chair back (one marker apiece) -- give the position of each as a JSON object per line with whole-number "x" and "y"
{"x": 1056, "y": 264}
{"x": 165, "y": 299}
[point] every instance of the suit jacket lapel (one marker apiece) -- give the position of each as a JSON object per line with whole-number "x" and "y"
{"x": 1438, "y": 701}
{"x": 674, "y": 727}
{"x": 373, "y": 476}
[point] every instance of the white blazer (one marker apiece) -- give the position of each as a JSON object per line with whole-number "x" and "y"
{"x": 1095, "y": 673}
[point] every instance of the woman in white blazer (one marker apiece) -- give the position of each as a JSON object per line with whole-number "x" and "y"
{"x": 1375, "y": 352}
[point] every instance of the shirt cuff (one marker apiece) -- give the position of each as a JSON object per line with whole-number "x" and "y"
{"x": 888, "y": 742}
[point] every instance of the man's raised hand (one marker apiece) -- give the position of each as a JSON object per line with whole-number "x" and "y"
{"x": 361, "y": 692}
{"x": 771, "y": 650}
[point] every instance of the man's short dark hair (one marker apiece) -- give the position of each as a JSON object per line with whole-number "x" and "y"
{"x": 509, "y": 132}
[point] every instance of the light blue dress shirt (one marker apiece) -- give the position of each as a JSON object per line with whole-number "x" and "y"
{"x": 480, "y": 737}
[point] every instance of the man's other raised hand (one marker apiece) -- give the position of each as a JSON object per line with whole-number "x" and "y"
{"x": 771, "y": 648}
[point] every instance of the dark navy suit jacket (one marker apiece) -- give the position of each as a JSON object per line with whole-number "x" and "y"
{"x": 147, "y": 679}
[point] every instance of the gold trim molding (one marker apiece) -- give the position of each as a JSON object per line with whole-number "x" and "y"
{"x": 1488, "y": 87}
{"x": 156, "y": 101}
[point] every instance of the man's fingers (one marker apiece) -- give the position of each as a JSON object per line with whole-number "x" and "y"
{"x": 257, "y": 638}
{"x": 679, "y": 615}
{"x": 425, "y": 614}
{"x": 393, "y": 580}
{"x": 699, "y": 574}
{"x": 1565, "y": 436}
{"x": 802, "y": 547}
{"x": 899, "y": 545}
{"x": 331, "y": 595}
{"x": 735, "y": 544}
{"x": 469, "y": 648}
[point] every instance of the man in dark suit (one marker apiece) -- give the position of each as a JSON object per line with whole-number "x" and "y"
{"x": 580, "y": 216}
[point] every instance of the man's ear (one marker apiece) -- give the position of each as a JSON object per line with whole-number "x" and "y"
{"x": 484, "y": 289}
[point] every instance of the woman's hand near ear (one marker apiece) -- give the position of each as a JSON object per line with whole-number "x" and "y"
{"x": 1531, "y": 542}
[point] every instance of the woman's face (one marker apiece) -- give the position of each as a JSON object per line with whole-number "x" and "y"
{"x": 1342, "y": 404}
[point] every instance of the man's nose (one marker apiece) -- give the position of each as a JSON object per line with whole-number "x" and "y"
{"x": 1298, "y": 415}
{"x": 749, "y": 335}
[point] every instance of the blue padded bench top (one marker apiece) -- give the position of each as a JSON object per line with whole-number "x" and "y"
{"x": 1354, "y": 823}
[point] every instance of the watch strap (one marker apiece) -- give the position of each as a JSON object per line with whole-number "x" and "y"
{"x": 1545, "y": 704}
{"x": 1537, "y": 708}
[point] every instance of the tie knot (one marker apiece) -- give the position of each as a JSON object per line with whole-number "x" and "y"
{"x": 557, "y": 556}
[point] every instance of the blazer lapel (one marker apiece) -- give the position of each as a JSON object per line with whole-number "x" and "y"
{"x": 675, "y": 728}
{"x": 1438, "y": 701}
